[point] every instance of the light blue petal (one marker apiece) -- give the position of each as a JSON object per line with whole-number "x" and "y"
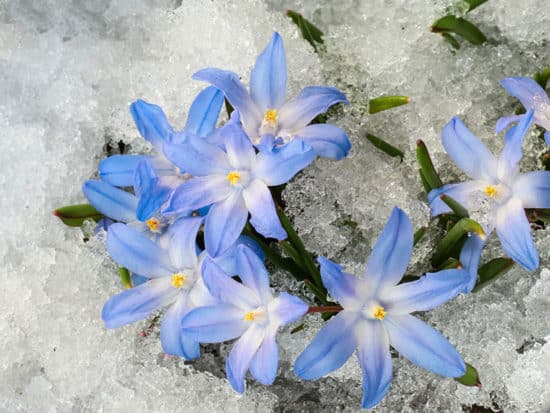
{"x": 268, "y": 78}
{"x": 423, "y": 345}
{"x": 514, "y": 233}
{"x": 426, "y": 293}
{"x": 533, "y": 188}
{"x": 204, "y": 112}
{"x": 511, "y": 154}
{"x": 459, "y": 192}
{"x": 217, "y": 137}
{"x": 391, "y": 253}
{"x": 239, "y": 149}
{"x": 278, "y": 167}
{"x": 199, "y": 192}
{"x": 327, "y": 140}
{"x": 469, "y": 258}
{"x": 503, "y": 122}
{"x": 264, "y": 218}
{"x": 235, "y": 92}
{"x": 228, "y": 262}
{"x": 183, "y": 242}
{"x": 525, "y": 89}
{"x": 224, "y": 223}
{"x": 374, "y": 357}
{"x": 171, "y": 337}
{"x": 253, "y": 273}
{"x": 241, "y": 355}
{"x": 137, "y": 303}
{"x": 342, "y": 286}
{"x": 467, "y": 151}
{"x": 547, "y": 137}
{"x": 138, "y": 253}
{"x": 119, "y": 170}
{"x": 264, "y": 363}
{"x": 286, "y": 309}
{"x": 110, "y": 201}
{"x": 151, "y": 193}
{"x": 214, "y": 324}
{"x": 329, "y": 350}
{"x": 151, "y": 122}
{"x": 197, "y": 157}
{"x": 312, "y": 101}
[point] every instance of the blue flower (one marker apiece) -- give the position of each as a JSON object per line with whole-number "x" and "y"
{"x": 265, "y": 110}
{"x": 234, "y": 181}
{"x": 532, "y": 96}
{"x": 249, "y": 311}
{"x": 498, "y": 193}
{"x": 376, "y": 314}
{"x": 153, "y": 125}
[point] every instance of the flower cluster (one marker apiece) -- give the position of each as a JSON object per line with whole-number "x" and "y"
{"x": 193, "y": 219}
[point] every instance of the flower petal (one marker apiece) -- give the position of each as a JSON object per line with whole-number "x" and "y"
{"x": 327, "y": 140}
{"x": 527, "y": 90}
{"x": 151, "y": 193}
{"x": 344, "y": 287}
{"x": 253, "y": 273}
{"x": 312, "y": 101}
{"x": 110, "y": 201}
{"x": 329, "y": 350}
{"x": 228, "y": 262}
{"x": 547, "y": 137}
{"x": 391, "y": 253}
{"x": 214, "y": 324}
{"x": 286, "y": 309}
{"x": 467, "y": 151}
{"x": 280, "y": 165}
{"x": 119, "y": 170}
{"x": 374, "y": 357}
{"x": 137, "y": 303}
{"x": 171, "y": 337}
{"x": 264, "y": 218}
{"x": 423, "y": 345}
{"x": 514, "y": 233}
{"x": 533, "y": 188}
{"x": 469, "y": 258}
{"x": 183, "y": 242}
{"x": 503, "y": 122}
{"x": 512, "y": 153}
{"x": 459, "y": 192}
{"x": 197, "y": 157}
{"x": 151, "y": 122}
{"x": 268, "y": 78}
{"x": 224, "y": 223}
{"x": 199, "y": 192}
{"x": 239, "y": 149}
{"x": 204, "y": 112}
{"x": 241, "y": 355}
{"x": 266, "y": 360}
{"x": 138, "y": 253}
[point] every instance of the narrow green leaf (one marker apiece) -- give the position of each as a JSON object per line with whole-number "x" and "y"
{"x": 419, "y": 234}
{"x": 474, "y": 3}
{"x": 297, "y": 328}
{"x": 461, "y": 27}
{"x": 448, "y": 243}
{"x": 385, "y": 146}
{"x": 470, "y": 378}
{"x": 425, "y": 183}
{"x": 74, "y": 215}
{"x": 310, "y": 32}
{"x": 449, "y": 38}
{"x": 229, "y": 109}
{"x": 542, "y": 77}
{"x": 125, "y": 277}
{"x": 449, "y": 263}
{"x": 427, "y": 166}
{"x": 492, "y": 270}
{"x": 458, "y": 209}
{"x": 387, "y": 102}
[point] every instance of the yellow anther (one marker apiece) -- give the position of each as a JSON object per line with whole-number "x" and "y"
{"x": 178, "y": 280}
{"x": 490, "y": 190}
{"x": 271, "y": 116}
{"x": 250, "y": 316}
{"x": 379, "y": 313}
{"x": 153, "y": 224}
{"x": 233, "y": 177}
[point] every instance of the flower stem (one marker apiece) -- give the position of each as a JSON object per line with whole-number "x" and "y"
{"x": 325, "y": 309}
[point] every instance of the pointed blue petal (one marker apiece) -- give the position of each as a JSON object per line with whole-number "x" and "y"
{"x": 204, "y": 112}
{"x": 224, "y": 223}
{"x": 183, "y": 242}
{"x": 137, "y": 303}
{"x": 253, "y": 273}
{"x": 241, "y": 355}
{"x": 151, "y": 193}
{"x": 503, "y": 122}
{"x": 264, "y": 218}
{"x": 469, "y": 258}
{"x": 533, "y": 188}
{"x": 374, "y": 357}
{"x": 511, "y": 154}
{"x": 268, "y": 78}
{"x": 197, "y": 157}
{"x": 110, "y": 201}
{"x": 423, "y": 345}
{"x": 459, "y": 192}
{"x": 329, "y": 350}
{"x": 514, "y": 233}
{"x": 138, "y": 253}
{"x": 199, "y": 192}
{"x": 278, "y": 167}
{"x": 214, "y": 324}
{"x": 171, "y": 337}
{"x": 526, "y": 90}
{"x": 547, "y": 137}
{"x": 391, "y": 253}
{"x": 467, "y": 151}
{"x": 327, "y": 140}
{"x": 264, "y": 363}
{"x": 151, "y": 122}
{"x": 119, "y": 170}
{"x": 239, "y": 149}
{"x": 286, "y": 309}
{"x": 228, "y": 261}
{"x": 312, "y": 101}
{"x": 342, "y": 286}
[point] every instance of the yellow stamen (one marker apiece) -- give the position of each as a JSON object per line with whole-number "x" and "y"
{"x": 379, "y": 313}
{"x": 250, "y": 316}
{"x": 491, "y": 190}
{"x": 271, "y": 116}
{"x": 152, "y": 224}
{"x": 233, "y": 177}
{"x": 178, "y": 280}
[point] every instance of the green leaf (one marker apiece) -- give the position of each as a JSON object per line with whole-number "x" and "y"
{"x": 449, "y": 38}
{"x": 542, "y": 77}
{"x": 492, "y": 270}
{"x": 449, "y": 263}
{"x": 309, "y": 31}
{"x": 74, "y": 215}
{"x": 125, "y": 277}
{"x": 470, "y": 378}
{"x": 472, "y": 4}
{"x": 461, "y": 27}
{"x": 385, "y": 146}
{"x": 387, "y": 102}
{"x": 425, "y": 183}
{"x": 297, "y": 328}
{"x": 428, "y": 171}
{"x": 228, "y": 108}
{"x": 419, "y": 234}
{"x": 445, "y": 248}
{"x": 458, "y": 209}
